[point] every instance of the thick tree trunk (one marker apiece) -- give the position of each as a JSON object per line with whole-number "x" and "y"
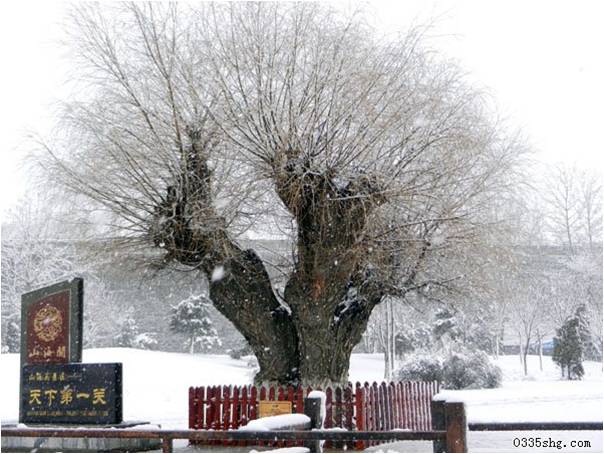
{"x": 311, "y": 339}
{"x": 330, "y": 307}
{"x": 326, "y": 336}
{"x": 244, "y": 296}
{"x": 240, "y": 287}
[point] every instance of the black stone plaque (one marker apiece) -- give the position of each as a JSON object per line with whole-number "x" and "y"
{"x": 74, "y": 393}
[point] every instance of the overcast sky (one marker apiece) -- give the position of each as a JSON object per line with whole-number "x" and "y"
{"x": 542, "y": 61}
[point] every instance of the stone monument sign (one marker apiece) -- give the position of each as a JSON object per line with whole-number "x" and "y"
{"x": 56, "y": 388}
{"x": 51, "y": 324}
{"x": 79, "y": 393}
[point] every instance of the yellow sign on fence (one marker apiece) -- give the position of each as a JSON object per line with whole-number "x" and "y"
{"x": 274, "y": 408}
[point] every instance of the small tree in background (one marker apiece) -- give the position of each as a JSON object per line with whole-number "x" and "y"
{"x": 446, "y": 327}
{"x": 569, "y": 348}
{"x": 590, "y": 348}
{"x": 130, "y": 336}
{"x": 127, "y": 334}
{"x": 13, "y": 335}
{"x": 191, "y": 317}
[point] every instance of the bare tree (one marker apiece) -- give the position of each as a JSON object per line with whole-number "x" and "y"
{"x": 383, "y": 330}
{"x": 563, "y": 197}
{"x": 32, "y": 256}
{"x": 590, "y": 187}
{"x": 528, "y": 314}
{"x": 201, "y": 122}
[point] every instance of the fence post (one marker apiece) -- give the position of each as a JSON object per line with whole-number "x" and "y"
{"x": 166, "y": 444}
{"x": 312, "y": 409}
{"x": 437, "y": 409}
{"x": 456, "y": 426}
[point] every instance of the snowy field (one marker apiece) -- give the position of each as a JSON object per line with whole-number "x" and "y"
{"x": 156, "y": 389}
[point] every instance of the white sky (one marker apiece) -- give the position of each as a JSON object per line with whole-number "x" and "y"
{"x": 541, "y": 59}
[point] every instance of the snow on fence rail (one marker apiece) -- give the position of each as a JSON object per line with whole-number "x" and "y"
{"x": 362, "y": 407}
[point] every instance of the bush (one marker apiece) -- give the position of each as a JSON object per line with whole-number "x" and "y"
{"x": 421, "y": 368}
{"x": 145, "y": 341}
{"x": 468, "y": 370}
{"x": 128, "y": 331}
{"x": 238, "y": 353}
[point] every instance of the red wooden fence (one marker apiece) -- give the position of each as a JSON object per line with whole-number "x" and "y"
{"x": 388, "y": 406}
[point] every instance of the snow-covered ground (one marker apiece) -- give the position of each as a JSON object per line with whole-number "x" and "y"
{"x": 542, "y": 396}
{"x": 156, "y": 389}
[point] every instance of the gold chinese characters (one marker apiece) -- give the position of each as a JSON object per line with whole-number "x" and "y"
{"x": 66, "y": 396}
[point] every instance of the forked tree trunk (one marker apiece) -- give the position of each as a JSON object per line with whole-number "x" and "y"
{"x": 325, "y": 336}
{"x": 310, "y": 338}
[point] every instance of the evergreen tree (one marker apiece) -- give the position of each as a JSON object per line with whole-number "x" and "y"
{"x": 127, "y": 334}
{"x": 192, "y": 318}
{"x": 569, "y": 348}
{"x": 13, "y": 335}
{"x": 446, "y": 327}
{"x": 590, "y": 350}
{"x": 418, "y": 338}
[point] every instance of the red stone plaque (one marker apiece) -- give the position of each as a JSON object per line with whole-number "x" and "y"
{"x": 51, "y": 327}
{"x": 51, "y": 324}
{"x": 48, "y": 329}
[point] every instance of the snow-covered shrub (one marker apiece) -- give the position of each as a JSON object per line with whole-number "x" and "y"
{"x": 145, "y": 341}
{"x": 467, "y": 370}
{"x": 414, "y": 339}
{"x": 237, "y": 353}
{"x": 127, "y": 333}
{"x": 421, "y": 367}
{"x": 470, "y": 370}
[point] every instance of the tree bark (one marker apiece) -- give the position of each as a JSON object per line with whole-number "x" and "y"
{"x": 240, "y": 287}
{"x": 244, "y": 296}
{"x": 328, "y": 299}
{"x": 327, "y": 333}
